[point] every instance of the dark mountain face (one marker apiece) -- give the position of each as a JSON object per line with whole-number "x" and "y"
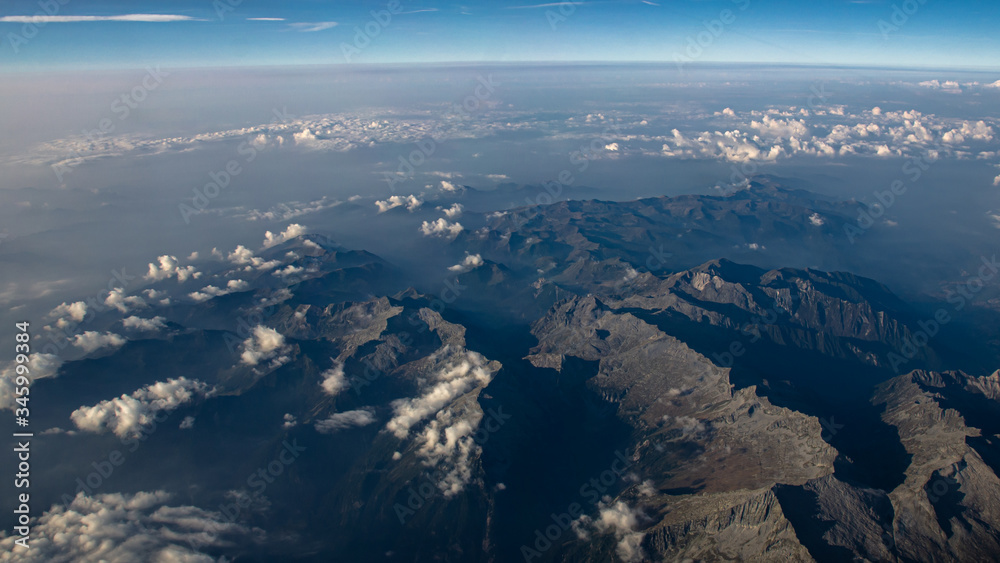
{"x": 602, "y": 383}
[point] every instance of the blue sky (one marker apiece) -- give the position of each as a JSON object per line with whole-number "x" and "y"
{"x": 105, "y": 34}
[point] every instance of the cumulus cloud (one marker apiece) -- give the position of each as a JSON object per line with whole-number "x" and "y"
{"x": 264, "y": 344}
{"x": 411, "y": 202}
{"x": 342, "y": 420}
{"x": 334, "y": 380}
{"x": 816, "y": 220}
{"x": 40, "y": 366}
{"x": 620, "y": 520}
{"x": 121, "y": 527}
{"x": 168, "y": 267}
{"x": 448, "y": 444}
{"x": 68, "y": 315}
{"x": 450, "y": 383}
{"x": 454, "y": 212}
{"x": 91, "y": 341}
{"x": 144, "y": 325}
{"x": 441, "y": 228}
{"x": 126, "y": 415}
{"x": 187, "y": 423}
{"x": 293, "y": 230}
{"x": 288, "y": 271}
{"x": 471, "y": 262}
{"x": 210, "y": 291}
{"x": 116, "y": 298}
{"x": 243, "y": 256}
{"x": 447, "y": 186}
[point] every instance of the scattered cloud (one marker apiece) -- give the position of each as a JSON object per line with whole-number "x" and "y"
{"x": 293, "y": 230}
{"x": 263, "y": 345}
{"x": 125, "y": 416}
{"x": 210, "y": 291}
{"x": 40, "y": 366}
{"x": 334, "y": 380}
{"x": 168, "y": 267}
{"x": 343, "y": 420}
{"x": 124, "y": 303}
{"x": 450, "y": 382}
{"x": 454, "y": 212}
{"x": 91, "y": 341}
{"x": 411, "y": 202}
{"x": 441, "y": 228}
{"x": 122, "y": 527}
{"x": 471, "y": 262}
{"x": 144, "y": 325}
{"x": 243, "y": 256}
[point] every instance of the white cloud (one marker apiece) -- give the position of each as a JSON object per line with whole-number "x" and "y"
{"x": 168, "y": 268}
{"x": 334, "y": 380}
{"x": 816, "y": 220}
{"x": 118, "y": 528}
{"x": 447, "y": 186}
{"x": 127, "y": 415}
{"x": 145, "y": 325}
{"x": 116, "y": 298}
{"x": 40, "y": 366}
{"x": 289, "y": 421}
{"x": 454, "y": 212}
{"x": 342, "y": 420}
{"x": 264, "y": 344}
{"x": 996, "y": 181}
{"x": 290, "y": 210}
{"x": 619, "y": 520}
{"x": 152, "y": 18}
{"x": 451, "y": 382}
{"x": 293, "y": 230}
{"x": 210, "y": 291}
{"x": 471, "y": 262}
{"x": 243, "y": 256}
{"x": 91, "y": 341}
{"x": 309, "y": 27}
{"x": 290, "y": 270}
{"x": 411, "y": 202}
{"x": 67, "y": 315}
{"x": 187, "y": 423}
{"x": 441, "y": 228}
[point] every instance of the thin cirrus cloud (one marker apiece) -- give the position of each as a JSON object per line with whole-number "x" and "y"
{"x": 153, "y": 18}
{"x": 306, "y": 27}
{"x": 265, "y": 19}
